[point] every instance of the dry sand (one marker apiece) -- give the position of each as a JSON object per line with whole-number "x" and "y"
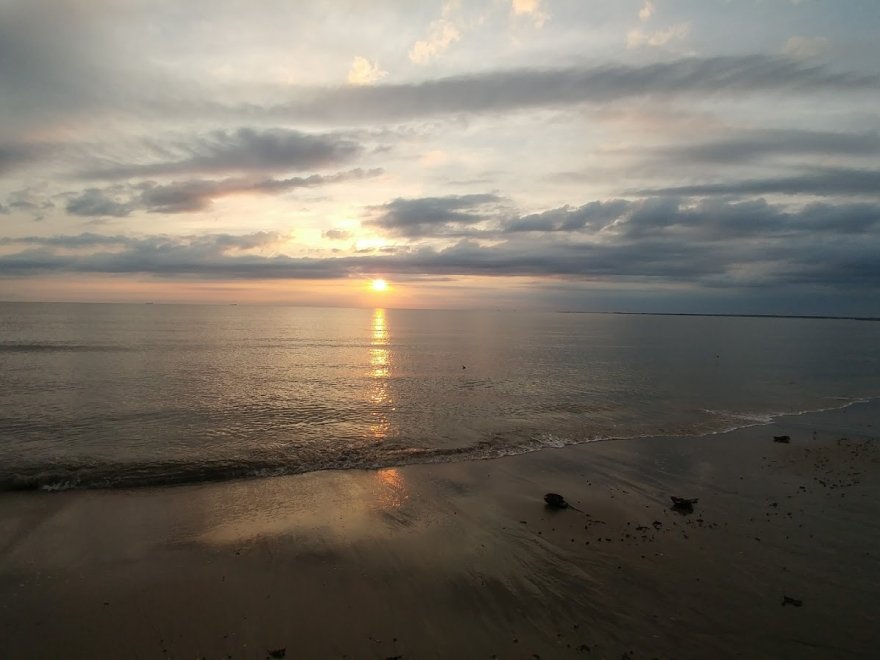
{"x": 465, "y": 561}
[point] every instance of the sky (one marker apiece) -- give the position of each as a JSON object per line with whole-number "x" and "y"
{"x": 699, "y": 156}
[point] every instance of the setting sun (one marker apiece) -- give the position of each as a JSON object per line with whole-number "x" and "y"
{"x": 379, "y": 285}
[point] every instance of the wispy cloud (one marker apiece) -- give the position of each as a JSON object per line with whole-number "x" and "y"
{"x": 242, "y": 150}
{"x": 819, "y": 182}
{"x": 192, "y": 195}
{"x": 529, "y": 88}
{"x": 750, "y": 145}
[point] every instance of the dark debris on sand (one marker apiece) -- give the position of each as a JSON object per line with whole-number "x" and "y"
{"x": 683, "y": 503}
{"x": 555, "y": 501}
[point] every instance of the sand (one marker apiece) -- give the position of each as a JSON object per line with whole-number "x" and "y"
{"x": 465, "y": 561}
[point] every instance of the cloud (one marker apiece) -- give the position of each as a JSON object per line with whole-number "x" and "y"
{"x": 721, "y": 221}
{"x": 432, "y": 216}
{"x": 50, "y": 60}
{"x": 364, "y": 72}
{"x": 504, "y": 91}
{"x": 193, "y": 195}
{"x": 638, "y": 37}
{"x": 30, "y": 199}
{"x": 442, "y": 33}
{"x": 709, "y": 242}
{"x": 805, "y": 47}
{"x": 242, "y": 150}
{"x": 746, "y": 146}
{"x": 592, "y": 216}
{"x": 14, "y": 155}
{"x": 336, "y": 234}
{"x": 488, "y": 216}
{"x": 621, "y": 220}
{"x": 532, "y": 9}
{"x": 819, "y": 182}
{"x": 94, "y": 202}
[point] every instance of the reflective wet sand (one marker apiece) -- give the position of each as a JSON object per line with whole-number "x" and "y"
{"x": 465, "y": 560}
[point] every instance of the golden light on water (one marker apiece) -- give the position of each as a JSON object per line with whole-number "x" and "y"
{"x": 380, "y": 370}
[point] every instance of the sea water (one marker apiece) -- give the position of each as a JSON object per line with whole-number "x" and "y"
{"x": 119, "y": 395}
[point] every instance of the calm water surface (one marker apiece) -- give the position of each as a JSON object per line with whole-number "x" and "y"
{"x": 117, "y": 395}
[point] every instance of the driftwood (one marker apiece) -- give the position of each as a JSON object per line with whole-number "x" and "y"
{"x": 781, "y": 438}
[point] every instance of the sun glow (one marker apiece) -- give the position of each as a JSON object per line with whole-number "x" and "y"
{"x": 379, "y": 285}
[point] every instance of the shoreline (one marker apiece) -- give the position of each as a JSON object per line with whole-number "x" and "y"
{"x": 463, "y": 559}
{"x": 222, "y": 472}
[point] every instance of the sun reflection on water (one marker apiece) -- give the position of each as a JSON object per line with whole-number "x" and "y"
{"x": 380, "y": 371}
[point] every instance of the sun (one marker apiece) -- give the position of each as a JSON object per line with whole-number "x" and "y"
{"x": 379, "y": 285}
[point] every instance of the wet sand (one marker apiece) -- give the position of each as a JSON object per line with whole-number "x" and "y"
{"x": 465, "y": 560}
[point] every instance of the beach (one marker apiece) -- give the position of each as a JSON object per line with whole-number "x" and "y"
{"x": 465, "y": 560}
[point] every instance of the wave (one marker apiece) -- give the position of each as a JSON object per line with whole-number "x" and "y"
{"x": 116, "y": 474}
{"x": 749, "y": 419}
{"x": 122, "y": 475}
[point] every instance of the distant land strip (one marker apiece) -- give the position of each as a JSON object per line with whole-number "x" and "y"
{"x": 744, "y": 316}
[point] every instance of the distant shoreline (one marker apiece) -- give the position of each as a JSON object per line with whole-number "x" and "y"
{"x": 823, "y": 317}
{"x": 744, "y": 316}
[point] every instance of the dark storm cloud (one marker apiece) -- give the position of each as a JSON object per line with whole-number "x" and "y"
{"x": 501, "y": 91}
{"x": 193, "y": 195}
{"x": 434, "y": 216}
{"x": 748, "y": 146}
{"x": 820, "y": 182}
{"x": 712, "y": 243}
{"x": 245, "y": 149}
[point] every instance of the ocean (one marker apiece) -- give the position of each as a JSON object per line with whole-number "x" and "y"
{"x": 126, "y": 395}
